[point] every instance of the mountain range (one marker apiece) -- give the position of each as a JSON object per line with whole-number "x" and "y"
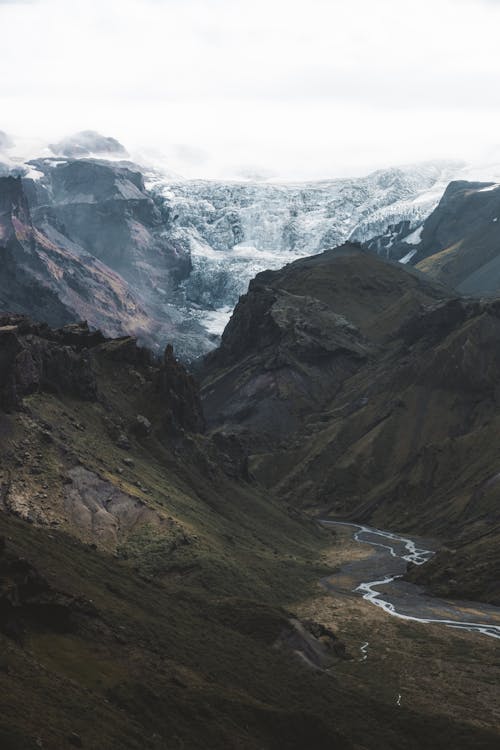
{"x": 165, "y": 568}
{"x": 166, "y": 259}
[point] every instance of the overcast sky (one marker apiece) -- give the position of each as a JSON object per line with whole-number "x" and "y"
{"x": 292, "y": 88}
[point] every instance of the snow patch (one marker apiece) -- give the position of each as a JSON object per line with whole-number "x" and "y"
{"x": 489, "y": 188}
{"x": 408, "y": 257}
{"x": 415, "y": 237}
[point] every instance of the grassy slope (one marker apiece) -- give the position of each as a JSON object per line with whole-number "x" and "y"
{"x": 170, "y": 646}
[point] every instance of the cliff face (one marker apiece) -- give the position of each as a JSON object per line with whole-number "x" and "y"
{"x": 393, "y": 426}
{"x": 36, "y": 359}
{"x": 31, "y": 360}
{"x": 105, "y": 208}
{"x": 460, "y": 239}
{"x": 84, "y": 239}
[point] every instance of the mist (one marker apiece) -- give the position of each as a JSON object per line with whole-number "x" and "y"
{"x": 289, "y": 90}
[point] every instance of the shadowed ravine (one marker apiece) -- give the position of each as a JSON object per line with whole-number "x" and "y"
{"x": 377, "y": 578}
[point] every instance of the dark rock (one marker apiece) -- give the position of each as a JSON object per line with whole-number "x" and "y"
{"x": 180, "y": 396}
{"x": 299, "y": 334}
{"x": 27, "y": 601}
{"x": 88, "y": 240}
{"x": 141, "y": 426}
{"x": 232, "y": 455}
{"x": 123, "y": 442}
{"x": 33, "y": 358}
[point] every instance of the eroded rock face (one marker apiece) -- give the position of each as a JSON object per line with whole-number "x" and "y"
{"x": 85, "y": 239}
{"x": 314, "y": 644}
{"x": 100, "y": 512}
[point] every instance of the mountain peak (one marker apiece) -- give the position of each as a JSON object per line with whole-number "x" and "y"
{"x": 88, "y": 143}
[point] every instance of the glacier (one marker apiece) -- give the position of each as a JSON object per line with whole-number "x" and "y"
{"x": 186, "y": 249}
{"x": 234, "y": 230}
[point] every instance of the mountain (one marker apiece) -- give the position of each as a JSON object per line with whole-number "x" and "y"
{"x": 149, "y": 585}
{"x": 365, "y": 389}
{"x": 458, "y": 243}
{"x": 83, "y": 239}
{"x": 88, "y": 143}
{"x": 134, "y": 252}
{"x": 303, "y": 330}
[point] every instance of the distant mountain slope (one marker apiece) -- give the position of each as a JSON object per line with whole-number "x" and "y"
{"x": 458, "y": 244}
{"x": 460, "y": 241}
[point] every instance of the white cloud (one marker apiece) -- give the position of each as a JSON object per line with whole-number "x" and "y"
{"x": 300, "y": 88}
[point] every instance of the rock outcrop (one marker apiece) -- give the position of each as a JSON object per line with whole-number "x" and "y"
{"x": 32, "y": 358}
{"x": 180, "y": 392}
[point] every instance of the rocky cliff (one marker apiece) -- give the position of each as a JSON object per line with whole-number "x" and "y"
{"x": 83, "y": 239}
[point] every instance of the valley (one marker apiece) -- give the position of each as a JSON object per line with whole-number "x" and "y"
{"x": 398, "y": 598}
{"x": 164, "y": 580}
{"x": 428, "y": 667}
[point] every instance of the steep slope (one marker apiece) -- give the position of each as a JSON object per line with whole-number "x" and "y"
{"x": 88, "y": 236}
{"x": 403, "y": 438}
{"x": 145, "y": 581}
{"x": 52, "y": 278}
{"x": 460, "y": 241}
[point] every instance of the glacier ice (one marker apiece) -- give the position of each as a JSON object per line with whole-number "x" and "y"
{"x": 234, "y": 230}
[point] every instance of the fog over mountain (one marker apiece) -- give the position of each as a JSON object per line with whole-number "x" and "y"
{"x": 293, "y": 90}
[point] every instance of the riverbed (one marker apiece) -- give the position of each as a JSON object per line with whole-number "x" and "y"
{"x": 377, "y": 578}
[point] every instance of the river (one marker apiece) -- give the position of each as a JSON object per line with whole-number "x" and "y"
{"x": 378, "y": 579}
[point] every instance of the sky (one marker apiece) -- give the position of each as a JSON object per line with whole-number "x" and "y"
{"x": 288, "y": 89}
